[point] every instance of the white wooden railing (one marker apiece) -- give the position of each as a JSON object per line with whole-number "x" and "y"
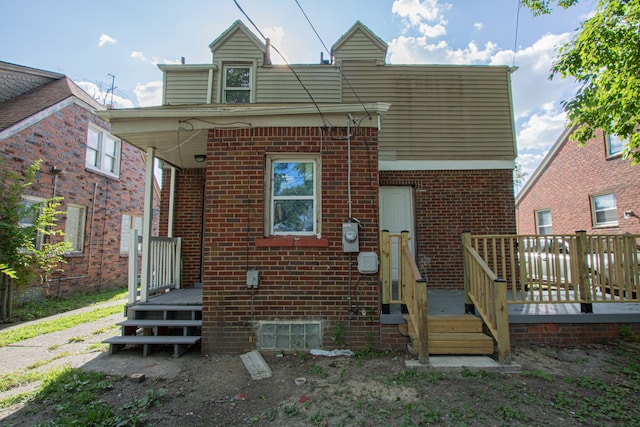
{"x": 165, "y": 262}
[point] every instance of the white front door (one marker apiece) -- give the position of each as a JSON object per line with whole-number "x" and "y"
{"x": 396, "y": 215}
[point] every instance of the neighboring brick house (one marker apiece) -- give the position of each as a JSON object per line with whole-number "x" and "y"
{"x": 267, "y": 172}
{"x": 590, "y": 187}
{"x": 44, "y": 115}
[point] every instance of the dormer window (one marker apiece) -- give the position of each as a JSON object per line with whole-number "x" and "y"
{"x": 237, "y": 84}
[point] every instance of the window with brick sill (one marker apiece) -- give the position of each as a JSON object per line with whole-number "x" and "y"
{"x": 292, "y": 188}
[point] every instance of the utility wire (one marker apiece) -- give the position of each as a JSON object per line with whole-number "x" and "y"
{"x": 515, "y": 41}
{"x": 329, "y": 52}
{"x": 324, "y": 120}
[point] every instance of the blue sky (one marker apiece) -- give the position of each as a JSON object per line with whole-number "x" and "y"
{"x": 92, "y": 41}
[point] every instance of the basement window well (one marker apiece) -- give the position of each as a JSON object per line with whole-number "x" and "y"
{"x": 289, "y": 335}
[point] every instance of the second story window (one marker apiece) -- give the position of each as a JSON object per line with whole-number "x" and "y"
{"x": 543, "y": 221}
{"x": 615, "y": 145}
{"x": 237, "y": 85}
{"x": 103, "y": 152}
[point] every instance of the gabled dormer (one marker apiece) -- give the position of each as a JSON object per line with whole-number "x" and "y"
{"x": 237, "y": 53}
{"x": 359, "y": 43}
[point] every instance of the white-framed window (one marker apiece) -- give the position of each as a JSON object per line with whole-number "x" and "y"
{"x": 103, "y": 152}
{"x": 603, "y": 210}
{"x": 28, "y": 216}
{"x": 543, "y": 221}
{"x": 614, "y": 145}
{"x": 293, "y": 189}
{"x": 129, "y": 223}
{"x": 236, "y": 84}
{"x": 74, "y": 227}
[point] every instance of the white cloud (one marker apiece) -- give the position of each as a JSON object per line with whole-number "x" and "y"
{"x": 106, "y": 39}
{"x": 478, "y": 26}
{"x": 104, "y": 96}
{"x": 418, "y": 50}
{"x": 138, "y": 55}
{"x": 426, "y": 15}
{"x": 148, "y": 94}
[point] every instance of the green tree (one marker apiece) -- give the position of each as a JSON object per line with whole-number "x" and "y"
{"x": 31, "y": 251}
{"x": 603, "y": 57}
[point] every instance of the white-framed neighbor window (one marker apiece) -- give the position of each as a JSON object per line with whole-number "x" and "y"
{"x": 604, "y": 210}
{"x": 103, "y": 152}
{"x": 293, "y": 189}
{"x": 28, "y": 216}
{"x": 74, "y": 227}
{"x": 614, "y": 145}
{"x": 543, "y": 221}
{"x": 236, "y": 84}
{"x": 129, "y": 223}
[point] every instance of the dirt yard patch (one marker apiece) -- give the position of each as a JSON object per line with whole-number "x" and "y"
{"x": 588, "y": 385}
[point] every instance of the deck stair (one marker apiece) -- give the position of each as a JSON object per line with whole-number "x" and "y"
{"x": 152, "y": 326}
{"x": 453, "y": 334}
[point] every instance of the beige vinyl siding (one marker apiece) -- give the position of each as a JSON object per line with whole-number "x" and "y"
{"x": 278, "y": 84}
{"x": 437, "y": 112}
{"x": 239, "y": 48}
{"x": 186, "y": 87}
{"x": 357, "y": 47}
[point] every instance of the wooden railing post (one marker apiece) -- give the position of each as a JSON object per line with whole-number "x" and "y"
{"x": 422, "y": 327}
{"x": 132, "y": 295}
{"x": 584, "y": 284}
{"x": 466, "y": 243}
{"x": 402, "y": 264}
{"x": 502, "y": 322}
{"x": 385, "y": 266}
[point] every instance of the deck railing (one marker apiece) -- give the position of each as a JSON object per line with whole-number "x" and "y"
{"x": 411, "y": 289}
{"x": 165, "y": 263}
{"x": 556, "y": 269}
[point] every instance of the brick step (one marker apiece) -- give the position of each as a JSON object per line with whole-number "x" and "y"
{"x": 180, "y": 343}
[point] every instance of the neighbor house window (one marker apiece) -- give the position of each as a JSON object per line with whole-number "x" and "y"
{"x": 74, "y": 228}
{"x": 237, "y": 84}
{"x": 103, "y": 152}
{"x": 28, "y": 216}
{"x": 615, "y": 145}
{"x": 293, "y": 186}
{"x": 603, "y": 210}
{"x": 129, "y": 223}
{"x": 543, "y": 221}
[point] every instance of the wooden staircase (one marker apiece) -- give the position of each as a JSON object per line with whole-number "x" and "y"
{"x": 159, "y": 325}
{"x": 453, "y": 334}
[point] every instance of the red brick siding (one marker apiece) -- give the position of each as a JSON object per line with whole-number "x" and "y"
{"x": 572, "y": 176}
{"x": 448, "y": 202}
{"x": 566, "y": 333}
{"x": 60, "y": 140}
{"x": 308, "y": 283}
{"x": 187, "y": 218}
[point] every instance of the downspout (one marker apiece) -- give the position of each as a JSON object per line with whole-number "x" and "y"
{"x": 172, "y": 194}
{"x": 146, "y": 225}
{"x": 209, "y": 86}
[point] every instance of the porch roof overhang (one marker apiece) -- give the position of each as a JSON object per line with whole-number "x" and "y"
{"x": 178, "y": 133}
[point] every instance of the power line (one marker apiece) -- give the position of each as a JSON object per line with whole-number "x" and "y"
{"x": 515, "y": 41}
{"x": 324, "y": 120}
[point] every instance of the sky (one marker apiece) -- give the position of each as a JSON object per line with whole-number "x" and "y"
{"x": 119, "y": 44}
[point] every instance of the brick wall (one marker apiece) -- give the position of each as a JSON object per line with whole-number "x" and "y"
{"x": 309, "y": 281}
{"x": 60, "y": 140}
{"x": 573, "y": 175}
{"x": 566, "y": 333}
{"x": 448, "y": 202}
{"x": 187, "y": 218}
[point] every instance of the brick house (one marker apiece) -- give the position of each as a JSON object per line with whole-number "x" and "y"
{"x": 264, "y": 175}
{"x": 591, "y": 187}
{"x": 44, "y": 115}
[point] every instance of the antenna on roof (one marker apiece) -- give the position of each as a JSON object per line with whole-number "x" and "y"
{"x": 113, "y": 81}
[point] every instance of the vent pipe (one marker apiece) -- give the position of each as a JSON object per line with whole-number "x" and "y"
{"x": 182, "y": 60}
{"x": 267, "y": 52}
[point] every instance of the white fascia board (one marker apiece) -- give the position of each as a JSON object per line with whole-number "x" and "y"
{"x": 428, "y": 165}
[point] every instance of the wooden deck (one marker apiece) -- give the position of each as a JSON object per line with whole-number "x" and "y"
{"x": 190, "y": 296}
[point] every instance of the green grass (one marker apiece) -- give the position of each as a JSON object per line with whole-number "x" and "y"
{"x": 60, "y": 324}
{"x": 50, "y": 306}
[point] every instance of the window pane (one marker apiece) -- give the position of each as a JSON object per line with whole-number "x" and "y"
{"x": 293, "y": 215}
{"x": 293, "y": 179}
{"x": 606, "y": 201}
{"x": 237, "y": 77}
{"x": 237, "y": 97}
{"x": 74, "y": 228}
{"x": 92, "y": 157}
{"x": 93, "y": 139}
{"x": 605, "y": 210}
{"x": 109, "y": 146}
{"x": 125, "y": 231}
{"x": 543, "y": 219}
{"x": 109, "y": 164}
{"x": 616, "y": 145}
